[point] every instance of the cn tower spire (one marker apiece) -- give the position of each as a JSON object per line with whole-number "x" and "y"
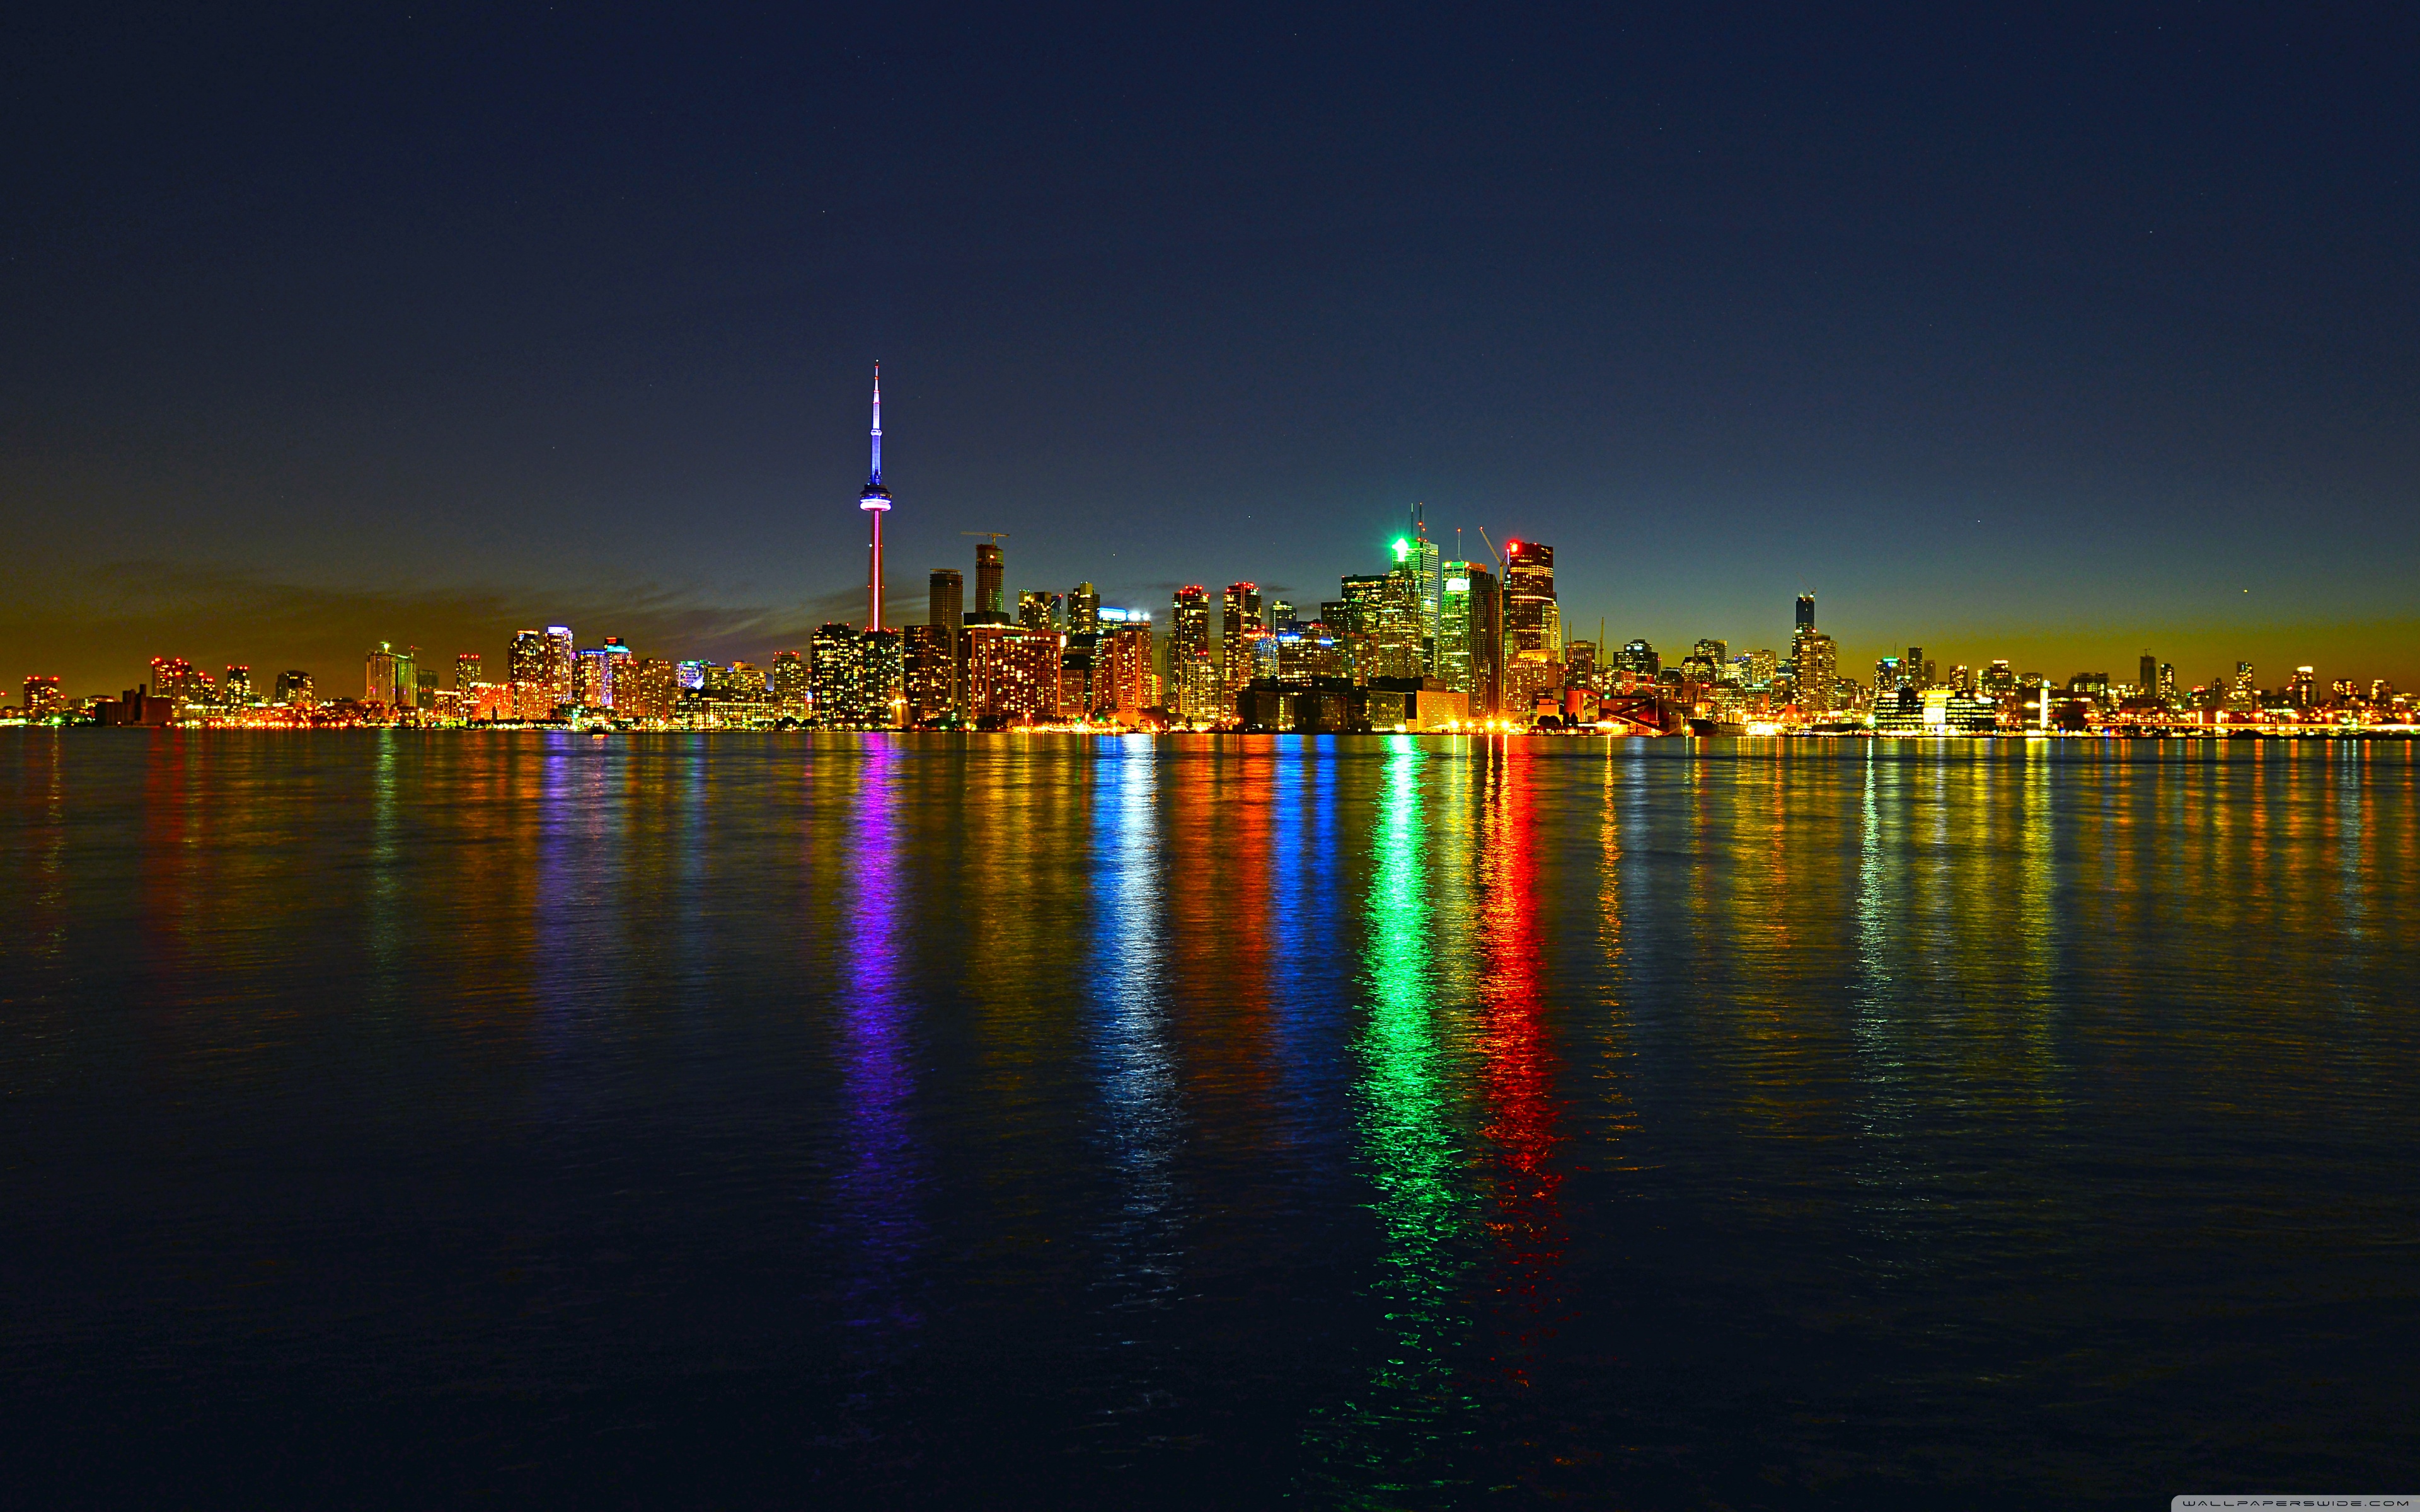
{"x": 876, "y": 501}
{"x": 876, "y": 477}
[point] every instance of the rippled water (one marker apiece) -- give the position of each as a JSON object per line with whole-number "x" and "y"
{"x": 736, "y": 1120}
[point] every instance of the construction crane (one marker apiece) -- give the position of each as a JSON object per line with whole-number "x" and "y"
{"x": 993, "y": 537}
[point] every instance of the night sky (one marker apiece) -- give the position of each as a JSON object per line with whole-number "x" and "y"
{"x": 2053, "y": 335}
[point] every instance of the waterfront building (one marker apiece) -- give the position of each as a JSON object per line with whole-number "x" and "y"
{"x": 1012, "y": 675}
{"x": 1532, "y": 628}
{"x": 595, "y": 672}
{"x": 294, "y": 688}
{"x": 526, "y": 661}
{"x": 1470, "y": 634}
{"x": 392, "y": 677}
{"x": 1192, "y": 671}
{"x": 236, "y": 692}
{"x": 43, "y": 697}
{"x": 793, "y": 684}
{"x": 1239, "y": 619}
{"x": 837, "y": 675}
{"x": 557, "y": 669}
{"x": 1125, "y": 676}
{"x": 1816, "y": 656}
{"x": 647, "y": 689}
{"x": 932, "y": 673}
{"x": 885, "y": 689}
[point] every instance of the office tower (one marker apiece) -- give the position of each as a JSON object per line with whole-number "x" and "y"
{"x": 467, "y": 671}
{"x": 294, "y": 688}
{"x": 1424, "y": 559}
{"x": 1817, "y": 659}
{"x": 1393, "y": 642}
{"x": 948, "y": 605}
{"x": 1889, "y": 675}
{"x": 2241, "y": 694}
{"x": 181, "y": 682}
{"x": 43, "y": 697}
{"x": 555, "y": 670}
{"x": 1639, "y": 659}
{"x": 991, "y": 605}
{"x": 1532, "y": 626}
{"x": 2301, "y": 691}
{"x": 837, "y": 656}
{"x": 1756, "y": 667}
{"x": 237, "y": 690}
{"x": 1240, "y": 616}
{"x": 1466, "y": 647}
{"x": 1806, "y": 612}
{"x": 2147, "y": 677}
{"x": 1012, "y": 675}
{"x": 647, "y": 689}
{"x": 876, "y": 501}
{"x": 1037, "y": 609}
{"x": 793, "y": 684}
{"x": 1912, "y": 671}
{"x": 1085, "y": 609}
{"x": 1281, "y": 618}
{"x": 2166, "y": 688}
{"x": 1364, "y": 595}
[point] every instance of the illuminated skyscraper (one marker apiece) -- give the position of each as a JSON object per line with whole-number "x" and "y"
{"x": 1125, "y": 678}
{"x": 527, "y": 662}
{"x": 876, "y": 501}
{"x": 2146, "y": 680}
{"x": 294, "y": 689}
{"x": 468, "y": 672}
{"x": 557, "y": 664}
{"x": 1193, "y": 685}
{"x": 597, "y": 667}
{"x": 1239, "y": 621}
{"x": 1085, "y": 609}
{"x": 1817, "y": 659}
{"x": 1470, "y": 635}
{"x": 1532, "y": 626}
{"x": 792, "y": 684}
{"x": 1422, "y": 556}
{"x": 837, "y": 653}
{"x": 646, "y": 689}
{"x": 1012, "y": 675}
{"x": 1806, "y": 612}
{"x": 43, "y": 697}
{"x": 393, "y": 677}
{"x": 237, "y": 690}
{"x": 991, "y": 601}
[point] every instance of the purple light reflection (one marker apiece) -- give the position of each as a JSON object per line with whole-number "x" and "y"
{"x": 875, "y": 1190}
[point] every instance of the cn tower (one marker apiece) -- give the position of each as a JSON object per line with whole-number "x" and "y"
{"x": 875, "y": 501}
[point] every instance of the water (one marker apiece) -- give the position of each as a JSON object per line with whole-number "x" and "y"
{"x": 733, "y": 1121}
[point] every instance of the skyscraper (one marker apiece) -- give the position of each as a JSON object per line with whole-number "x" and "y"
{"x": 876, "y": 501}
{"x": 1470, "y": 635}
{"x": 1037, "y": 608}
{"x": 1085, "y": 609}
{"x": 1805, "y": 612}
{"x": 1422, "y": 556}
{"x": 1192, "y": 672}
{"x": 2146, "y": 681}
{"x": 1532, "y": 626}
{"x": 468, "y": 672}
{"x": 43, "y": 697}
{"x": 1239, "y": 622}
{"x": 838, "y": 670}
{"x": 557, "y": 662}
{"x": 936, "y": 671}
{"x": 990, "y": 567}
{"x": 1817, "y": 659}
{"x": 294, "y": 689}
{"x": 792, "y": 684}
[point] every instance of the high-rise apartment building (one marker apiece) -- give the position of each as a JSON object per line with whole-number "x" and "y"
{"x": 43, "y": 697}
{"x": 1125, "y": 678}
{"x": 886, "y": 682}
{"x": 1470, "y": 635}
{"x": 1239, "y": 625}
{"x": 1817, "y": 659}
{"x": 1012, "y": 675}
{"x": 595, "y": 673}
{"x": 526, "y": 662}
{"x": 557, "y": 669}
{"x": 837, "y": 669}
{"x": 468, "y": 671}
{"x": 1365, "y": 595}
{"x": 1532, "y": 626}
{"x": 792, "y": 684}
{"x": 647, "y": 689}
{"x": 931, "y": 653}
{"x": 1194, "y": 691}
{"x": 2242, "y": 693}
{"x": 392, "y": 677}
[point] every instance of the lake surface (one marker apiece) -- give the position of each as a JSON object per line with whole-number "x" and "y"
{"x": 761, "y": 1120}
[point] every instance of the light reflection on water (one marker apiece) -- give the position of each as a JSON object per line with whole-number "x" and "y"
{"x": 1394, "y": 1121}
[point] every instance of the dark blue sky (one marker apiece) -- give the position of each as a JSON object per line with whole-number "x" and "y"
{"x": 2052, "y": 336}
